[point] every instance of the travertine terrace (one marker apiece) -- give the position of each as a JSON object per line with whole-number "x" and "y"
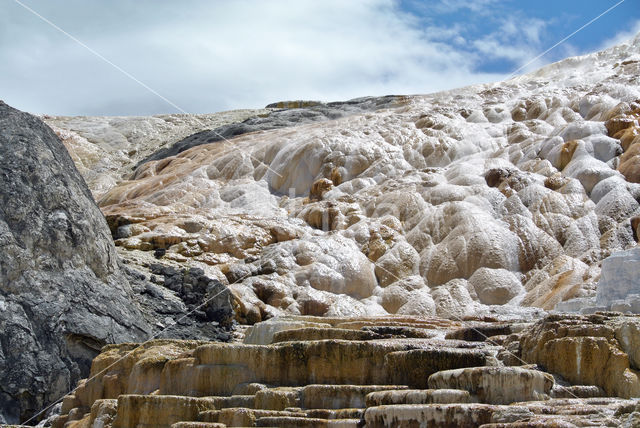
{"x": 396, "y": 261}
{"x": 486, "y": 198}
{"x": 382, "y": 372}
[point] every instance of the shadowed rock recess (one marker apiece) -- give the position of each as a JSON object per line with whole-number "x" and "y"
{"x": 445, "y": 260}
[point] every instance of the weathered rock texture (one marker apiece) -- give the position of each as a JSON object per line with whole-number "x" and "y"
{"x": 315, "y": 382}
{"x": 62, "y": 293}
{"x": 460, "y": 203}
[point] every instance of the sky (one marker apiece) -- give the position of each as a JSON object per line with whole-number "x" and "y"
{"x": 147, "y": 57}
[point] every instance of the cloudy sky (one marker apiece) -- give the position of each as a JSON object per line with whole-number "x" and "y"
{"x": 150, "y": 56}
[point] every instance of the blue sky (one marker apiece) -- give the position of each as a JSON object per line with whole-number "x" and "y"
{"x": 531, "y": 25}
{"x": 202, "y": 56}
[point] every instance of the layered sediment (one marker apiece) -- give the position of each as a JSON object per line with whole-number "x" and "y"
{"x": 534, "y": 375}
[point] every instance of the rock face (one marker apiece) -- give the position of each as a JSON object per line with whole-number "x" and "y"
{"x": 360, "y": 379}
{"x": 63, "y": 290}
{"x": 62, "y": 293}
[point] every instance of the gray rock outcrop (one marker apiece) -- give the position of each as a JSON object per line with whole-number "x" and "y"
{"x": 62, "y": 292}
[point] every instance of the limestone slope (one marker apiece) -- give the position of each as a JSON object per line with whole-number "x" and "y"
{"x": 484, "y": 199}
{"x": 105, "y": 149}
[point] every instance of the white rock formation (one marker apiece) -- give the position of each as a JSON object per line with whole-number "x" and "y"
{"x": 105, "y": 149}
{"x": 490, "y": 194}
{"x": 495, "y": 286}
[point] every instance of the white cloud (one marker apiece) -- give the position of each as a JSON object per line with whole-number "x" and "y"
{"x": 451, "y": 6}
{"x": 517, "y": 40}
{"x": 453, "y": 33}
{"x": 220, "y": 55}
{"x": 217, "y": 55}
{"x": 533, "y": 29}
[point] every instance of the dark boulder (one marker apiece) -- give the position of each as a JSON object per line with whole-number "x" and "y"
{"x": 62, "y": 292}
{"x": 206, "y": 297}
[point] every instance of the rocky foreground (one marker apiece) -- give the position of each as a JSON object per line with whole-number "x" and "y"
{"x": 379, "y": 372}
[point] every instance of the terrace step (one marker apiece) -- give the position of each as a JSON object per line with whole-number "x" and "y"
{"x": 241, "y": 417}
{"x": 295, "y": 422}
{"x": 197, "y": 425}
{"x": 419, "y": 396}
{"x": 440, "y": 415}
{"x": 399, "y": 382}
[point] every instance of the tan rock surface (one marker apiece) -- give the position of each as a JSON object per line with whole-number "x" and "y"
{"x": 319, "y": 382}
{"x": 586, "y": 350}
